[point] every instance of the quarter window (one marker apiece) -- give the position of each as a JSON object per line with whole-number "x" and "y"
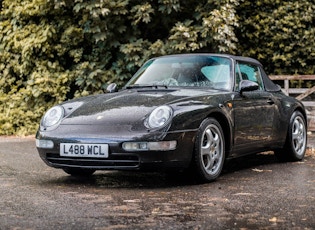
{"x": 246, "y": 71}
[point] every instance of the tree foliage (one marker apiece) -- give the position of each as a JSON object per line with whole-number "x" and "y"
{"x": 55, "y": 50}
{"x": 280, "y": 34}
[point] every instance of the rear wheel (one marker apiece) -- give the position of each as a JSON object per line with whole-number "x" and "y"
{"x": 77, "y": 172}
{"x": 209, "y": 152}
{"x": 295, "y": 146}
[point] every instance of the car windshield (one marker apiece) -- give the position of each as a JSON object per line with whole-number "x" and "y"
{"x": 187, "y": 70}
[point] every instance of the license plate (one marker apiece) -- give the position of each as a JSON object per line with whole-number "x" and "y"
{"x": 84, "y": 150}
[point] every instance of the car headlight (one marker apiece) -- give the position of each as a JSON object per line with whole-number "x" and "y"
{"x": 53, "y": 116}
{"x": 160, "y": 116}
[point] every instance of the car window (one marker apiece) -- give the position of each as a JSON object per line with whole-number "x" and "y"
{"x": 186, "y": 71}
{"x": 246, "y": 71}
{"x": 219, "y": 75}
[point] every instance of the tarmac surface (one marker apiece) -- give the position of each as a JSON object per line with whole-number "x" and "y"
{"x": 311, "y": 140}
{"x": 255, "y": 192}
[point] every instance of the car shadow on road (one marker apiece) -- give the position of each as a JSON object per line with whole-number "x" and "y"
{"x": 250, "y": 161}
{"x": 131, "y": 179}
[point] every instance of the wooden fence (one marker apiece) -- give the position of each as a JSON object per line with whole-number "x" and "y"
{"x": 302, "y": 94}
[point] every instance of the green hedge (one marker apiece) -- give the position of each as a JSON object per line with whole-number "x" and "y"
{"x": 55, "y": 50}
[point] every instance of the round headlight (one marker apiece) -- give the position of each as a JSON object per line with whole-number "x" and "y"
{"x": 53, "y": 116}
{"x": 160, "y": 116}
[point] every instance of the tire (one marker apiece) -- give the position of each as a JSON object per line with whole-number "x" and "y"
{"x": 296, "y": 141}
{"x": 79, "y": 172}
{"x": 209, "y": 154}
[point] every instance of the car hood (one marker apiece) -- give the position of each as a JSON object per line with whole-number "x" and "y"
{"x": 128, "y": 107}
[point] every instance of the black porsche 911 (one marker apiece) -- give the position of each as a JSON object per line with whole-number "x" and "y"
{"x": 178, "y": 112}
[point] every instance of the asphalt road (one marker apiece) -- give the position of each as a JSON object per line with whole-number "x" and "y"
{"x": 254, "y": 192}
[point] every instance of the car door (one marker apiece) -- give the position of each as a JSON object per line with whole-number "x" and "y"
{"x": 254, "y": 111}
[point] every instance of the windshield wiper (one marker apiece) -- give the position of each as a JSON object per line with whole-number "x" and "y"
{"x": 154, "y": 86}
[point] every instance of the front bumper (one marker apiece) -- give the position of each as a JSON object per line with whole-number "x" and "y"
{"x": 118, "y": 158}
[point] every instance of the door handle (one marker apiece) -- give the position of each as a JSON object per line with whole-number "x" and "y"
{"x": 270, "y": 101}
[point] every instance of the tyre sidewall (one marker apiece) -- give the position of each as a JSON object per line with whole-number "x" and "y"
{"x": 289, "y": 145}
{"x": 199, "y": 168}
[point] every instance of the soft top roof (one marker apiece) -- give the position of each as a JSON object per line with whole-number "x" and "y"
{"x": 239, "y": 58}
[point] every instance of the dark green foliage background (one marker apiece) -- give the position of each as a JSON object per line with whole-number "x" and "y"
{"x": 55, "y": 50}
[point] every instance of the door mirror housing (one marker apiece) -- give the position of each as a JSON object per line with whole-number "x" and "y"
{"x": 246, "y": 86}
{"x": 111, "y": 88}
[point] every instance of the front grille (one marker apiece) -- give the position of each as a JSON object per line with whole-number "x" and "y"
{"x": 113, "y": 161}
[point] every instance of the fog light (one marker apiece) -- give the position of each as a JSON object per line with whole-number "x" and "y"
{"x": 149, "y": 146}
{"x": 143, "y": 146}
{"x": 162, "y": 145}
{"x": 45, "y": 144}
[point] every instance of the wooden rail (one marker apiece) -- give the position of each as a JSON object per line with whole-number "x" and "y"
{"x": 301, "y": 92}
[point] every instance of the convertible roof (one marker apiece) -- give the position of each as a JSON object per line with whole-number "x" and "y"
{"x": 239, "y": 58}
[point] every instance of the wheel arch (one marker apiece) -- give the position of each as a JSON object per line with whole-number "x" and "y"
{"x": 303, "y": 112}
{"x": 294, "y": 150}
{"x": 299, "y": 108}
{"x": 297, "y": 105}
{"x": 227, "y": 129}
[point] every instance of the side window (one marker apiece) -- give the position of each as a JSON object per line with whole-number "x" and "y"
{"x": 237, "y": 76}
{"x": 246, "y": 71}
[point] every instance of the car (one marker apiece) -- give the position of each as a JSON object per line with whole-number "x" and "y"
{"x": 178, "y": 113}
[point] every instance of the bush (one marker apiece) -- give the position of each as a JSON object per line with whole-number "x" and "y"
{"x": 55, "y": 50}
{"x": 279, "y": 33}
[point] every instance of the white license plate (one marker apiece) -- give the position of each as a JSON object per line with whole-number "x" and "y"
{"x": 84, "y": 150}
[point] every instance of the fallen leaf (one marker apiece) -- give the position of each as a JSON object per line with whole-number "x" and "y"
{"x": 273, "y": 219}
{"x": 261, "y": 170}
{"x": 257, "y": 170}
{"x": 242, "y": 194}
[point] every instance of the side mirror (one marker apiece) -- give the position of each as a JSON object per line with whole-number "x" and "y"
{"x": 246, "y": 85}
{"x": 111, "y": 88}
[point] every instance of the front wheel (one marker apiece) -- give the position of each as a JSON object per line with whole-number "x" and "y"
{"x": 295, "y": 146}
{"x": 209, "y": 151}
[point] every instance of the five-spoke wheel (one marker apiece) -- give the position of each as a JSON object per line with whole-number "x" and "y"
{"x": 295, "y": 145}
{"x": 209, "y": 150}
